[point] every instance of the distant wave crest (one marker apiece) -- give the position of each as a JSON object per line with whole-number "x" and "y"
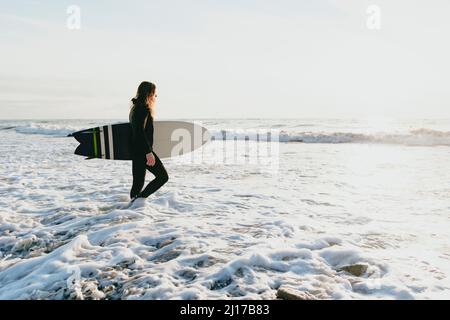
{"x": 420, "y": 137}
{"x": 44, "y": 129}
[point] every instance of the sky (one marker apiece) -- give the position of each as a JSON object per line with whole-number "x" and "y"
{"x": 226, "y": 59}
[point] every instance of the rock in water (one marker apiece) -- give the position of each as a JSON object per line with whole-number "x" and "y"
{"x": 356, "y": 269}
{"x": 287, "y": 293}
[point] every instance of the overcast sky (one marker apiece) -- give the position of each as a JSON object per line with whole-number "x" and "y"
{"x": 231, "y": 59}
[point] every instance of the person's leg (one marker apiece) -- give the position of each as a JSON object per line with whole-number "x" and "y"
{"x": 139, "y": 170}
{"x": 161, "y": 177}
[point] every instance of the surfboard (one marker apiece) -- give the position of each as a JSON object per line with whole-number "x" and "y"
{"x": 112, "y": 142}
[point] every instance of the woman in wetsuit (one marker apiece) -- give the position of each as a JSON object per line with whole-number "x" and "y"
{"x": 143, "y": 156}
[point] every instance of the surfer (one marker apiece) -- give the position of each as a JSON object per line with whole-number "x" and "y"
{"x": 143, "y": 157}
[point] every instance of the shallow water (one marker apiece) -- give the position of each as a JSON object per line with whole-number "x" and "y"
{"x": 230, "y": 230}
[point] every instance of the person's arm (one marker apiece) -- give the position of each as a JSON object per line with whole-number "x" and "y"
{"x": 149, "y": 139}
{"x": 148, "y": 136}
{"x": 138, "y": 127}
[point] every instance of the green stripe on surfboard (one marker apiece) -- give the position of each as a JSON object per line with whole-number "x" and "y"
{"x": 94, "y": 135}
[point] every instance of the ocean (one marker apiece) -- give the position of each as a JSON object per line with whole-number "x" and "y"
{"x": 332, "y": 195}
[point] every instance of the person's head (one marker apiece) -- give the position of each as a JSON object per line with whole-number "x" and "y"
{"x": 146, "y": 96}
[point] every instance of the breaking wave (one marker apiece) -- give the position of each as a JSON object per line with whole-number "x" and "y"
{"x": 418, "y": 137}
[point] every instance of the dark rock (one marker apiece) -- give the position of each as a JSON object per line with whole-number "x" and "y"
{"x": 164, "y": 243}
{"x": 356, "y": 269}
{"x": 287, "y": 293}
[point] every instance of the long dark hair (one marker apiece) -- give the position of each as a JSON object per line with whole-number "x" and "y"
{"x": 144, "y": 90}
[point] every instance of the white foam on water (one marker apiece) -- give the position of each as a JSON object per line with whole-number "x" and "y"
{"x": 224, "y": 231}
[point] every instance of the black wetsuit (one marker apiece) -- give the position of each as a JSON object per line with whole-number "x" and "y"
{"x": 142, "y": 143}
